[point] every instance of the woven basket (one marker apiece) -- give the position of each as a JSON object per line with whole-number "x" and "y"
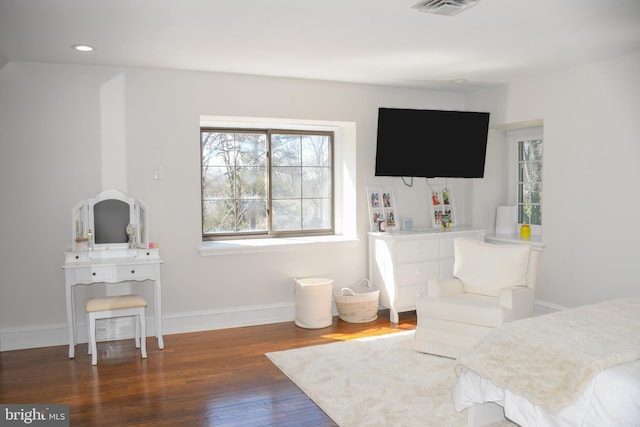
{"x": 358, "y": 305}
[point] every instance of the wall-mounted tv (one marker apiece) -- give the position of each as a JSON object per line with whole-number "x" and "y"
{"x": 431, "y": 143}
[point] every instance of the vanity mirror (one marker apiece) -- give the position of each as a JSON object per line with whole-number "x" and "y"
{"x": 110, "y": 220}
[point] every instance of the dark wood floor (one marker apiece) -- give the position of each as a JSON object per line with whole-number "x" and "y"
{"x": 213, "y": 378}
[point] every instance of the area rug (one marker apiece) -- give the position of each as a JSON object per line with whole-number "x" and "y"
{"x": 378, "y": 381}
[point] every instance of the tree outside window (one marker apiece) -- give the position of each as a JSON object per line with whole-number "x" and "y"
{"x": 530, "y": 182}
{"x": 266, "y": 183}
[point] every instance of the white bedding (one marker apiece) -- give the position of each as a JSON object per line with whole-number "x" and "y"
{"x": 578, "y": 367}
{"x": 612, "y": 398}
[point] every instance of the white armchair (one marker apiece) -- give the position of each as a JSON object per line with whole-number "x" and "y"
{"x": 492, "y": 284}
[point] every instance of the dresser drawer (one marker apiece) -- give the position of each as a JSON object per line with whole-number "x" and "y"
{"x": 446, "y": 268}
{"x": 446, "y": 247}
{"x": 134, "y": 272}
{"x": 417, "y": 273}
{"x": 94, "y": 274}
{"x": 417, "y": 250}
{"x": 407, "y": 297}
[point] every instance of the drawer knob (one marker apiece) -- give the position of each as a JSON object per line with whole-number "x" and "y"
{"x": 148, "y": 253}
{"x": 77, "y": 256}
{"x": 93, "y": 274}
{"x": 133, "y": 271}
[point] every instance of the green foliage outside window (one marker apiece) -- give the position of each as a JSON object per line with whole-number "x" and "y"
{"x": 266, "y": 182}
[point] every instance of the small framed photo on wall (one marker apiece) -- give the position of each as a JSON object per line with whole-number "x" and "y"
{"x": 382, "y": 207}
{"x": 442, "y": 209}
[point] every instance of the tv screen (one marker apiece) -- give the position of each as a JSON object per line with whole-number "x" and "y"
{"x": 431, "y": 143}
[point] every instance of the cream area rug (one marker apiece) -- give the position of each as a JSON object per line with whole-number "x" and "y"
{"x": 377, "y": 381}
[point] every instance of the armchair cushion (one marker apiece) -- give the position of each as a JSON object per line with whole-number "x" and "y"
{"x": 471, "y": 309}
{"x": 444, "y": 287}
{"x": 486, "y": 269}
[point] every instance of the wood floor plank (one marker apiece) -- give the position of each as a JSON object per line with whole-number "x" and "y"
{"x": 210, "y": 378}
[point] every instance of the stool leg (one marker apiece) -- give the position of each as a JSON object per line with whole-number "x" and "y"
{"x": 143, "y": 334}
{"x": 92, "y": 339}
{"x": 136, "y": 320}
{"x": 89, "y": 333}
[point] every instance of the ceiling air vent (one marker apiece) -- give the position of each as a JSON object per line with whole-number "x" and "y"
{"x": 444, "y": 7}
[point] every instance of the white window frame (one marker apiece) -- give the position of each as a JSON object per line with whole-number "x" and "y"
{"x": 270, "y": 231}
{"x": 513, "y": 137}
{"x": 345, "y": 227}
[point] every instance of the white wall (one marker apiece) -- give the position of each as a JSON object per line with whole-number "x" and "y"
{"x": 68, "y": 132}
{"x": 591, "y": 176}
{"x": 55, "y": 120}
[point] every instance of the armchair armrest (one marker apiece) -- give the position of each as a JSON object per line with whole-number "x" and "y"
{"x": 444, "y": 287}
{"x": 519, "y": 299}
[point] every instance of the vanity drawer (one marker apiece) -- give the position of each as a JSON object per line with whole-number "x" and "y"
{"x": 76, "y": 257}
{"x": 94, "y": 274}
{"x": 417, "y": 273}
{"x": 417, "y": 250}
{"x": 148, "y": 253}
{"x": 134, "y": 272}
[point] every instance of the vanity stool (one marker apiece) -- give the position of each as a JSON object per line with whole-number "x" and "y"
{"x": 116, "y": 306}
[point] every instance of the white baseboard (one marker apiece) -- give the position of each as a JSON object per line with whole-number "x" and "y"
{"x": 56, "y": 334}
{"x": 122, "y": 328}
{"x": 544, "y": 307}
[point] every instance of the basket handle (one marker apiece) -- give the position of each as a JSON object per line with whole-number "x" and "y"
{"x": 348, "y": 291}
{"x": 368, "y": 283}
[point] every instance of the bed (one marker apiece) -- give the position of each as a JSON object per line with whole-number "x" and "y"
{"x": 578, "y": 367}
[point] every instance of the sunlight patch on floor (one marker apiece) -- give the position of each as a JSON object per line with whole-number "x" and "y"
{"x": 370, "y": 332}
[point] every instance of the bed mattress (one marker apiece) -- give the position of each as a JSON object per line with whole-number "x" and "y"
{"x": 611, "y": 398}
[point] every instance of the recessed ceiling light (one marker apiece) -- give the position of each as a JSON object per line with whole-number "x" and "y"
{"x": 82, "y": 47}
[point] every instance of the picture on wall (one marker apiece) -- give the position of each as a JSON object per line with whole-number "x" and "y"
{"x": 381, "y": 208}
{"x": 442, "y": 209}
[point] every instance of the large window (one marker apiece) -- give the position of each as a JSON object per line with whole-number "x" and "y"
{"x": 526, "y": 144}
{"x": 266, "y": 183}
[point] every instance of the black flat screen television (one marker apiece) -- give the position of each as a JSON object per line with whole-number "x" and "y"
{"x": 431, "y": 143}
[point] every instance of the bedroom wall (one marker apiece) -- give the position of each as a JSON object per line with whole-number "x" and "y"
{"x": 68, "y": 132}
{"x": 591, "y": 176}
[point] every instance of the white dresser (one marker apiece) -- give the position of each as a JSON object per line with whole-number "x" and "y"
{"x": 401, "y": 263}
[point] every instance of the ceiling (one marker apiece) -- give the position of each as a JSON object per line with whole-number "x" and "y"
{"x": 374, "y": 41}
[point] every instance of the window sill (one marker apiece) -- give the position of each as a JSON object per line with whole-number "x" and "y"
{"x": 245, "y": 246}
{"x": 535, "y": 241}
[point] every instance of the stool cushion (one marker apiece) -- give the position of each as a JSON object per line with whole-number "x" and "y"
{"x": 114, "y": 303}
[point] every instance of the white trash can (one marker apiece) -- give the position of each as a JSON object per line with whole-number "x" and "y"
{"x": 313, "y": 302}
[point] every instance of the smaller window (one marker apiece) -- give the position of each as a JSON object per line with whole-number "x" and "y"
{"x": 527, "y": 183}
{"x": 530, "y": 182}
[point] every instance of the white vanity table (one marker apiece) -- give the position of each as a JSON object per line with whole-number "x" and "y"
{"x": 114, "y": 257}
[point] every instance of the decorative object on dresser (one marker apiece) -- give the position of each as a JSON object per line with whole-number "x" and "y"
{"x": 491, "y": 284}
{"x": 108, "y": 223}
{"x": 443, "y": 211}
{"x": 382, "y": 209}
{"x": 402, "y": 262}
